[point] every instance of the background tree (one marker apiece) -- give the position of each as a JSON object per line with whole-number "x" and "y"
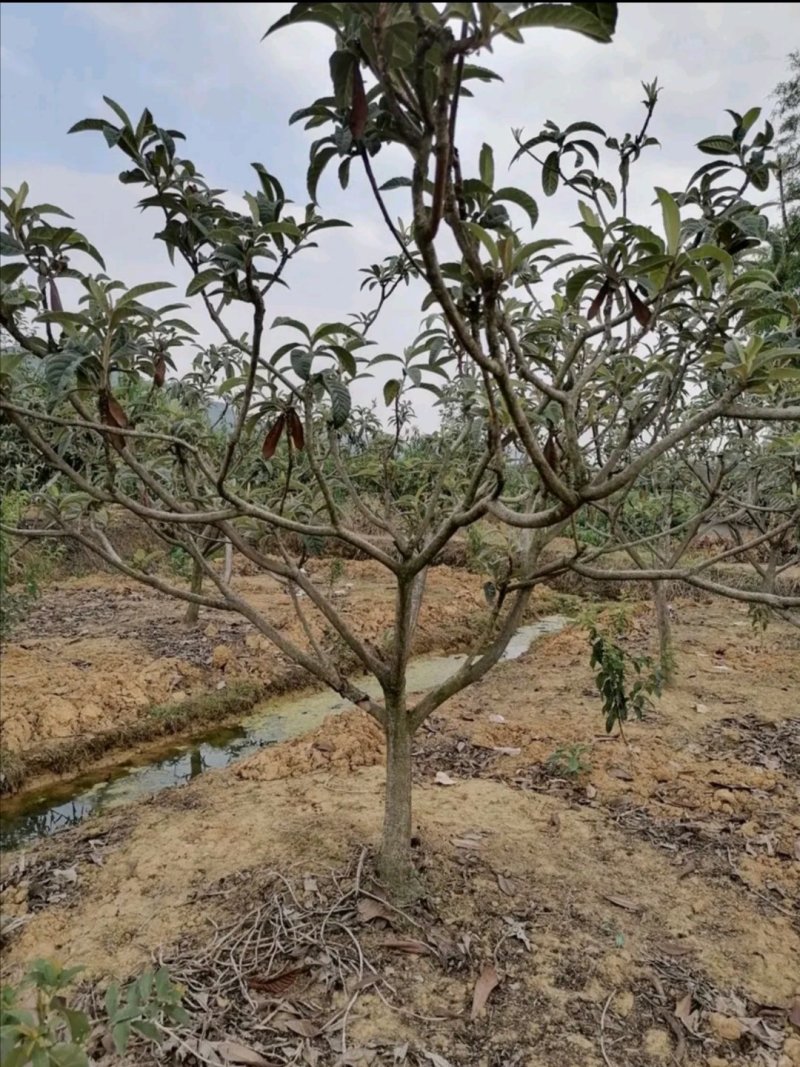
{"x": 571, "y": 370}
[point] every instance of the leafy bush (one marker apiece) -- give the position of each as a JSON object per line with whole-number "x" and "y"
{"x": 50, "y": 1033}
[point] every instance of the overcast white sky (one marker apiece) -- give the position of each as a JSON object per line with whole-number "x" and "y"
{"x": 202, "y": 69}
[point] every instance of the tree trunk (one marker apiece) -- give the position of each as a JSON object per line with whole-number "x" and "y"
{"x": 666, "y": 656}
{"x": 395, "y": 865}
{"x": 193, "y": 610}
{"x": 228, "y": 568}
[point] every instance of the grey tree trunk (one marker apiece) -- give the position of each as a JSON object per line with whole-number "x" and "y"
{"x": 666, "y": 655}
{"x": 193, "y": 610}
{"x": 395, "y": 864}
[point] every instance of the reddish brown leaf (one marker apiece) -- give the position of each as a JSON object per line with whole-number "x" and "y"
{"x": 640, "y": 310}
{"x": 111, "y": 414}
{"x": 302, "y": 1027}
{"x": 232, "y": 1052}
{"x": 407, "y": 944}
{"x": 55, "y": 299}
{"x": 794, "y": 1013}
{"x": 279, "y": 984}
{"x": 159, "y": 371}
{"x": 489, "y": 980}
{"x": 358, "y": 110}
{"x": 273, "y": 437}
{"x": 597, "y": 303}
{"x": 295, "y": 429}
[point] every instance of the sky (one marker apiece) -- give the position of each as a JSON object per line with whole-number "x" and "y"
{"x": 202, "y": 68}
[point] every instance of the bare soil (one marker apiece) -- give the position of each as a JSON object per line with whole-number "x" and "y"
{"x": 643, "y": 910}
{"x": 97, "y": 652}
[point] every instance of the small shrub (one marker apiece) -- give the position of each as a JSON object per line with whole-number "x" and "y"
{"x": 50, "y": 1033}
{"x": 567, "y": 761}
{"x": 614, "y": 664}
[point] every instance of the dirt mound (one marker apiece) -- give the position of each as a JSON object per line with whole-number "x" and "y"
{"x": 342, "y": 743}
{"x": 54, "y": 693}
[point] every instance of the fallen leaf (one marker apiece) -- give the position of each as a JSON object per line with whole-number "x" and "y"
{"x": 684, "y": 1014}
{"x": 302, "y": 1027}
{"x": 505, "y": 885}
{"x": 794, "y": 1013}
{"x": 444, "y": 779}
{"x": 369, "y": 909}
{"x": 233, "y": 1052}
{"x": 489, "y": 979}
{"x": 623, "y": 902}
{"x": 591, "y": 792}
{"x": 436, "y": 1059}
{"x": 497, "y": 718}
{"x": 507, "y": 751}
{"x": 279, "y": 984}
{"x": 621, "y": 773}
{"x": 400, "y": 1053}
{"x": 701, "y": 708}
{"x": 554, "y": 822}
{"x": 401, "y": 944}
{"x": 767, "y": 1035}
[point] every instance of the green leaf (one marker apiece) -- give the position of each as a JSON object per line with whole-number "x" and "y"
{"x": 319, "y": 161}
{"x": 749, "y": 118}
{"x": 395, "y": 183}
{"x": 486, "y": 166}
{"x": 68, "y": 1055}
{"x": 10, "y": 272}
{"x": 597, "y": 21}
{"x": 391, "y": 391}
{"x": 672, "y": 220}
{"x": 524, "y": 252}
{"x": 285, "y": 320}
{"x": 307, "y": 12}
{"x": 718, "y": 145}
{"x": 340, "y": 399}
{"x": 136, "y": 291}
{"x": 10, "y": 246}
{"x": 119, "y": 112}
{"x": 202, "y": 281}
{"x": 578, "y": 281}
{"x": 346, "y": 359}
{"x": 89, "y": 124}
{"x": 550, "y": 174}
{"x": 301, "y": 360}
{"x": 521, "y": 199}
{"x": 485, "y": 239}
{"x": 121, "y": 1033}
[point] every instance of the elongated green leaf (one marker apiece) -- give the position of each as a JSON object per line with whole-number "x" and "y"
{"x": 340, "y": 399}
{"x": 521, "y": 199}
{"x": 485, "y": 239}
{"x": 718, "y": 145}
{"x": 318, "y": 163}
{"x": 202, "y": 281}
{"x": 486, "y": 166}
{"x": 136, "y": 291}
{"x": 672, "y": 220}
{"x": 597, "y": 21}
{"x": 285, "y": 320}
{"x": 550, "y": 174}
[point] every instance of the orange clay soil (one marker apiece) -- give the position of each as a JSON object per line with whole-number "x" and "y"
{"x": 97, "y": 652}
{"x": 665, "y": 867}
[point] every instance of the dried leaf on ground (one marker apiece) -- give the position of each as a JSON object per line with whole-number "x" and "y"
{"x": 684, "y": 1014}
{"x": 279, "y": 984}
{"x": 442, "y": 778}
{"x": 505, "y": 885}
{"x": 369, "y": 910}
{"x": 623, "y": 902}
{"x": 794, "y": 1013}
{"x": 489, "y": 979}
{"x": 234, "y": 1053}
{"x": 436, "y": 1059}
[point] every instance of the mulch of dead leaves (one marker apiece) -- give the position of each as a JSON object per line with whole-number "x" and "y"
{"x": 301, "y": 970}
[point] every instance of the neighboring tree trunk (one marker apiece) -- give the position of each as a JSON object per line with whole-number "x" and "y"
{"x": 666, "y": 655}
{"x": 394, "y": 861}
{"x": 193, "y": 610}
{"x": 228, "y": 567}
